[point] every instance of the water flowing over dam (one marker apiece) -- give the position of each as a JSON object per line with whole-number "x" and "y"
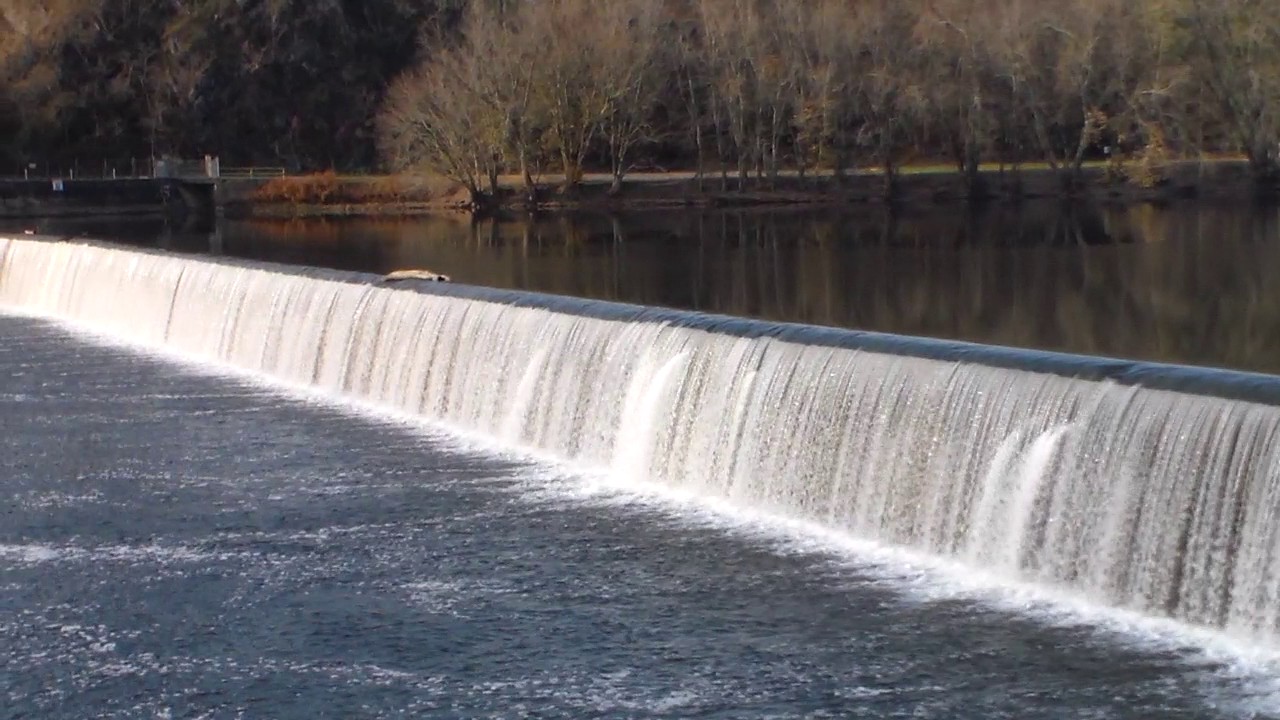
{"x": 1105, "y": 478}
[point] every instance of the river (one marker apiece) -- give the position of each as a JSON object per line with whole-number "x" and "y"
{"x": 1189, "y": 283}
{"x": 185, "y": 543}
{"x": 239, "y": 490}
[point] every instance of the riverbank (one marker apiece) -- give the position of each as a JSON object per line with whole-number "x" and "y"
{"x": 332, "y": 195}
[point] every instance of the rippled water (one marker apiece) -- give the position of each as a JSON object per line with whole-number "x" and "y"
{"x": 183, "y": 544}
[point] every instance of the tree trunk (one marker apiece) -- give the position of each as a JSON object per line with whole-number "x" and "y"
{"x": 802, "y": 160}
{"x": 1042, "y": 136}
{"x": 525, "y": 175}
{"x": 695, "y": 117}
{"x": 572, "y": 170}
{"x": 722, "y": 153}
{"x": 974, "y": 184}
{"x": 890, "y": 176}
{"x": 697, "y": 141}
{"x": 1077, "y": 161}
{"x": 838, "y": 163}
{"x": 774, "y": 141}
{"x": 619, "y": 169}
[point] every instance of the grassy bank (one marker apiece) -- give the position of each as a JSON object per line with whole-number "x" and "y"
{"x": 335, "y": 195}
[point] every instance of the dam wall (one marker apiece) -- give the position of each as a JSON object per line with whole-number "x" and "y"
{"x": 1147, "y": 487}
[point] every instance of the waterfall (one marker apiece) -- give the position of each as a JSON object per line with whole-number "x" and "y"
{"x": 1101, "y": 476}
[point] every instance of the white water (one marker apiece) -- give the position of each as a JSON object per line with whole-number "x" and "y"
{"x": 1151, "y": 500}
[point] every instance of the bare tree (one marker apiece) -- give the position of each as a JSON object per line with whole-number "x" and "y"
{"x": 692, "y": 84}
{"x": 771, "y": 44}
{"x": 506, "y": 57}
{"x": 568, "y": 77}
{"x": 725, "y": 27}
{"x": 434, "y": 117}
{"x": 632, "y": 66}
{"x": 887, "y": 93}
{"x": 1060, "y": 63}
{"x": 703, "y": 76}
{"x": 818, "y": 42}
{"x": 1237, "y": 60}
{"x": 959, "y": 86}
{"x": 809, "y": 83}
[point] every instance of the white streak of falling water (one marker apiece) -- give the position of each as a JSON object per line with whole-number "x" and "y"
{"x": 643, "y": 418}
{"x": 1160, "y": 501}
{"x": 1022, "y": 493}
{"x": 984, "y": 539}
{"x": 513, "y": 425}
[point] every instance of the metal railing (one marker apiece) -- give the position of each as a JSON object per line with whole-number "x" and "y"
{"x": 116, "y": 169}
{"x": 252, "y": 172}
{"x": 177, "y": 168}
{"x": 137, "y": 168}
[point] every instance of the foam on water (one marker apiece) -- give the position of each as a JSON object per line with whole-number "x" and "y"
{"x": 35, "y": 553}
{"x": 1146, "y": 511}
{"x": 1251, "y": 670}
{"x": 1247, "y": 672}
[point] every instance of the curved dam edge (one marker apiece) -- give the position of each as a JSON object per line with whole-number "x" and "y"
{"x": 1217, "y": 382}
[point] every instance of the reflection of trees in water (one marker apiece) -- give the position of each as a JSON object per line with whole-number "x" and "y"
{"x": 1184, "y": 284}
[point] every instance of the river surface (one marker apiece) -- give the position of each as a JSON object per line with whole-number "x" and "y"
{"x": 178, "y": 542}
{"x": 1191, "y": 283}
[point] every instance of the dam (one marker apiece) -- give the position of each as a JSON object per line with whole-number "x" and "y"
{"x": 1131, "y": 494}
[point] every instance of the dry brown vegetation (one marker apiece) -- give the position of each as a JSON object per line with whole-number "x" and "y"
{"x": 329, "y": 188}
{"x": 755, "y": 87}
{"x": 299, "y": 189}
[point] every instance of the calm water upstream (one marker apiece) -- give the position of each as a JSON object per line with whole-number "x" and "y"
{"x": 1192, "y": 283}
{"x": 177, "y": 543}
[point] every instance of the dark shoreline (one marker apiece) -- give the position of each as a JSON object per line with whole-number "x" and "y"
{"x": 912, "y": 187}
{"x": 1212, "y": 180}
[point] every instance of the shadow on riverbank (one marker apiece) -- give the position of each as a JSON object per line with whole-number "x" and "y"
{"x": 331, "y": 195}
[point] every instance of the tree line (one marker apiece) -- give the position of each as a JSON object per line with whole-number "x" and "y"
{"x": 272, "y": 82}
{"x": 747, "y": 89}
{"x": 741, "y": 90}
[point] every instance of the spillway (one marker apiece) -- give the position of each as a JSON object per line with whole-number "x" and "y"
{"x": 1138, "y": 486}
